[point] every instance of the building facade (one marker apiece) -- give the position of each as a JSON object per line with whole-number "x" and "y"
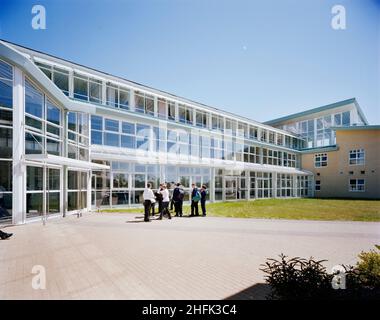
{"x": 341, "y": 149}
{"x": 73, "y": 138}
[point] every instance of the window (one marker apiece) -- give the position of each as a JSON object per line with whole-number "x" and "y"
{"x": 346, "y": 118}
{"x": 357, "y": 185}
{"x": 201, "y": 119}
{"x": 253, "y": 132}
{"x": 318, "y": 185}
{"x": 117, "y": 97}
{"x": 33, "y": 100}
{"x": 144, "y": 103}
{"x": 111, "y": 125}
{"x": 356, "y": 157}
{"x": 128, "y": 135}
{"x": 80, "y": 87}
{"x": 185, "y": 114}
{"x": 59, "y": 76}
{"x": 96, "y": 130}
{"x": 95, "y": 89}
{"x": 171, "y": 110}
{"x": 161, "y": 108}
{"x": 6, "y": 84}
{"x": 320, "y": 160}
{"x": 217, "y": 122}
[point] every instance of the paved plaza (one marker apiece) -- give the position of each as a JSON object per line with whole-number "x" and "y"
{"x": 116, "y": 256}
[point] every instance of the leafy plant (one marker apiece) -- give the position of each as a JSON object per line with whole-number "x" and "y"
{"x": 369, "y": 267}
{"x": 298, "y": 278}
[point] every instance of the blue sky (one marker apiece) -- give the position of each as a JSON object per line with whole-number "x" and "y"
{"x": 261, "y": 59}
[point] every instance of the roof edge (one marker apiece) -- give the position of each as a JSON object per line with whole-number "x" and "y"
{"x": 319, "y": 109}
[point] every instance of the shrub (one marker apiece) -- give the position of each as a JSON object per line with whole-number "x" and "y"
{"x": 298, "y": 278}
{"x": 369, "y": 268}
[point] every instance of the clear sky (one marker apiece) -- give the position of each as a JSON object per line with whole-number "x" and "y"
{"x": 261, "y": 59}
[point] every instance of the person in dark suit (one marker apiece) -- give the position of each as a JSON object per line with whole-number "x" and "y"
{"x": 203, "y": 199}
{"x": 178, "y": 195}
{"x": 195, "y": 197}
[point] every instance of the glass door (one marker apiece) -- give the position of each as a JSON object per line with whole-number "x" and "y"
{"x": 76, "y": 190}
{"x": 230, "y": 188}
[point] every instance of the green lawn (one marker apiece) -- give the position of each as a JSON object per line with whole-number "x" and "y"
{"x": 297, "y": 209}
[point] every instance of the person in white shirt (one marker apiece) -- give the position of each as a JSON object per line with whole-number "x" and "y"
{"x": 165, "y": 202}
{"x": 149, "y": 198}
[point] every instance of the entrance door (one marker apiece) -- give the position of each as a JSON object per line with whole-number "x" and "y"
{"x": 76, "y": 190}
{"x": 43, "y": 191}
{"x": 230, "y": 188}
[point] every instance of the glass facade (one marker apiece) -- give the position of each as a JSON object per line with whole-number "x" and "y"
{"x": 6, "y": 117}
{"x": 160, "y": 140}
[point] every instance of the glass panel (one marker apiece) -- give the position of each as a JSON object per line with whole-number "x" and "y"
{"x": 72, "y": 121}
{"x": 111, "y": 125}
{"x": 54, "y": 179}
{"x": 95, "y": 91}
{"x": 5, "y": 176}
{"x": 96, "y": 123}
{"x": 111, "y": 139}
{"x": 72, "y": 180}
{"x": 124, "y": 99}
{"x": 5, "y": 143}
{"x": 33, "y": 143}
{"x": 128, "y": 127}
{"x": 53, "y": 199}
{"x": 96, "y": 137}
{"x": 128, "y": 141}
{"x": 61, "y": 80}
{"x": 33, "y": 100}
{"x": 80, "y": 88}
{"x": 53, "y": 147}
{"x": 6, "y": 97}
{"x": 34, "y": 176}
{"x": 33, "y": 204}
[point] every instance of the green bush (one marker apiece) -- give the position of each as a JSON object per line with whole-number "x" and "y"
{"x": 298, "y": 278}
{"x": 369, "y": 268}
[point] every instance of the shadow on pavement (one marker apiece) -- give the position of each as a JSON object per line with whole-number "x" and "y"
{"x": 258, "y": 291}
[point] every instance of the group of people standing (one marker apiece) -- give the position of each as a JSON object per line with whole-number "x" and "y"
{"x": 164, "y": 199}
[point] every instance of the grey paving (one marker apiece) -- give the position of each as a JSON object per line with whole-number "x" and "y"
{"x": 115, "y": 256}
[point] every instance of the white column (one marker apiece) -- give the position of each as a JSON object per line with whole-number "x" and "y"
{"x": 132, "y": 100}
{"x": 19, "y": 170}
{"x": 155, "y": 106}
{"x": 212, "y": 185}
{"x": 71, "y": 83}
{"x": 274, "y": 185}
{"x": 89, "y": 189}
{"x": 104, "y": 92}
{"x": 176, "y": 116}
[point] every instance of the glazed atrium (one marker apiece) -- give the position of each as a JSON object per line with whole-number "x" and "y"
{"x": 76, "y": 139}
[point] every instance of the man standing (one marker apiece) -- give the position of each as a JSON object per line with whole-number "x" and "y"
{"x": 203, "y": 199}
{"x": 178, "y": 195}
{"x": 195, "y": 197}
{"x": 158, "y": 195}
{"x": 149, "y": 198}
{"x": 165, "y": 202}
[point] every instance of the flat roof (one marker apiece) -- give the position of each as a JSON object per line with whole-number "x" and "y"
{"x": 319, "y": 109}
